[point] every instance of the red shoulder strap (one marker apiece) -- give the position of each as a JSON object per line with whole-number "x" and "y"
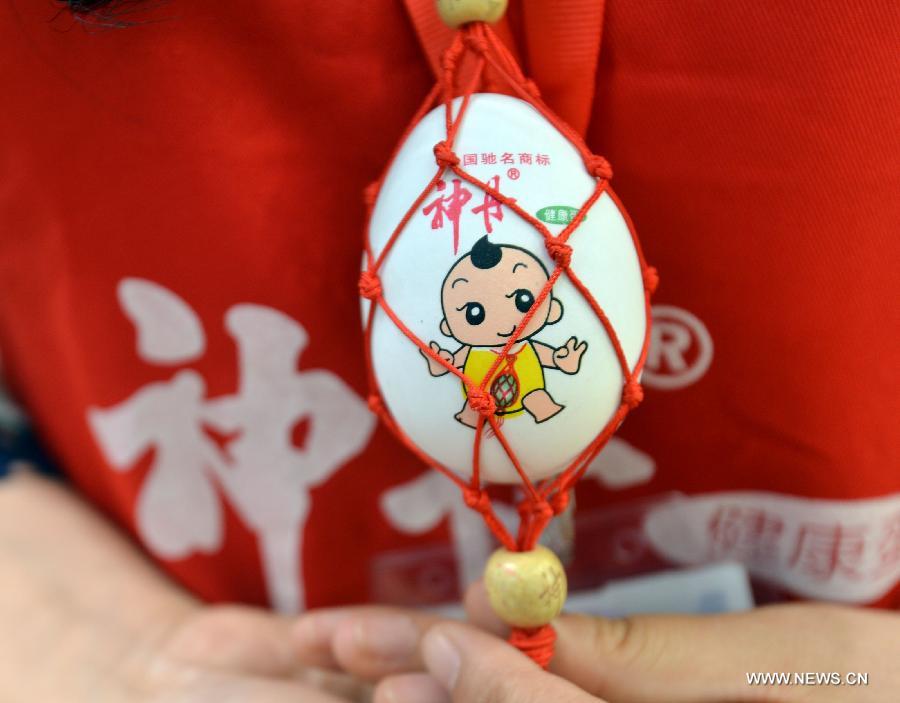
{"x": 562, "y": 41}
{"x": 435, "y": 36}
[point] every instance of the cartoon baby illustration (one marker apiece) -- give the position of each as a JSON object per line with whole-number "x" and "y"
{"x": 484, "y": 297}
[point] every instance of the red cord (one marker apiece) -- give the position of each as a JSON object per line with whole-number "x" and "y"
{"x": 477, "y": 43}
{"x": 537, "y": 643}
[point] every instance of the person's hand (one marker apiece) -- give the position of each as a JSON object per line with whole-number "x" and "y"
{"x": 84, "y": 618}
{"x": 225, "y": 653}
{"x": 467, "y": 665}
{"x": 644, "y": 659}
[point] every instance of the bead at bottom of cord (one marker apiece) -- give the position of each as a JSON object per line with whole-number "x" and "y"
{"x": 525, "y": 589}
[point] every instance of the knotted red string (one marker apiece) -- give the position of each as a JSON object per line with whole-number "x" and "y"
{"x": 370, "y": 193}
{"x": 477, "y": 499}
{"x": 444, "y": 155}
{"x": 550, "y": 497}
{"x": 633, "y": 394}
{"x": 376, "y": 404}
{"x": 536, "y": 643}
{"x": 559, "y": 502}
{"x": 481, "y": 401}
{"x": 369, "y": 285}
{"x": 651, "y": 279}
{"x": 599, "y": 167}
{"x": 560, "y": 252}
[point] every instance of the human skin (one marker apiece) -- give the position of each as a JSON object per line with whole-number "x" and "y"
{"x": 644, "y": 659}
{"x": 84, "y": 617}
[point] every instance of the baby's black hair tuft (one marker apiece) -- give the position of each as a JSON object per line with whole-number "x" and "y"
{"x": 485, "y": 254}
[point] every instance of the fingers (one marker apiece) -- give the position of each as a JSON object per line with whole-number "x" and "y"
{"x": 219, "y": 687}
{"x": 313, "y": 634}
{"x": 705, "y": 658}
{"x": 376, "y": 643}
{"x": 475, "y": 667}
{"x": 373, "y": 642}
{"x": 339, "y": 684}
{"x": 367, "y": 642}
{"x": 235, "y": 638}
{"x": 650, "y": 658}
{"x": 411, "y": 688}
{"x": 480, "y": 613}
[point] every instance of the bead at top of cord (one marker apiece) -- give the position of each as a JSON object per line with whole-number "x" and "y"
{"x": 456, "y": 13}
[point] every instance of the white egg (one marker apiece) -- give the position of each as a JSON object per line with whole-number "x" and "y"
{"x": 468, "y": 301}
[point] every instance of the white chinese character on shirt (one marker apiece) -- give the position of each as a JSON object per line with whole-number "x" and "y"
{"x": 260, "y": 470}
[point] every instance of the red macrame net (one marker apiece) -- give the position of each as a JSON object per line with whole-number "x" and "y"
{"x": 475, "y": 50}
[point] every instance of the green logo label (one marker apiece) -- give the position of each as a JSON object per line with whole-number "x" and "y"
{"x": 557, "y": 214}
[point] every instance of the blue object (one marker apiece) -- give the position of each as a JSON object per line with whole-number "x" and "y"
{"x": 18, "y": 441}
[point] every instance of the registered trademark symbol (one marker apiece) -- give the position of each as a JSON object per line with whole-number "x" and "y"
{"x": 681, "y": 349}
{"x": 513, "y": 174}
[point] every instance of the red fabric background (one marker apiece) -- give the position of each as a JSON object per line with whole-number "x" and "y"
{"x": 221, "y": 152}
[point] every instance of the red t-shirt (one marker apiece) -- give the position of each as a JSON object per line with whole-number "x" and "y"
{"x": 180, "y": 238}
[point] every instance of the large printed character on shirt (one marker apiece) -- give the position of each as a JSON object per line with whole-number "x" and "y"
{"x": 484, "y": 297}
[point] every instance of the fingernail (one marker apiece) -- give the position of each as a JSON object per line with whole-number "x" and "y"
{"x": 388, "y": 636}
{"x": 411, "y": 688}
{"x": 315, "y": 630}
{"x": 441, "y": 658}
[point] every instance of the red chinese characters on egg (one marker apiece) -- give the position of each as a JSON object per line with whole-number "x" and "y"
{"x": 491, "y": 208}
{"x": 450, "y": 201}
{"x": 448, "y": 207}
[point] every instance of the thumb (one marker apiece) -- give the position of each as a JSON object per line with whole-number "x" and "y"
{"x": 644, "y": 659}
{"x": 475, "y": 667}
{"x": 706, "y": 659}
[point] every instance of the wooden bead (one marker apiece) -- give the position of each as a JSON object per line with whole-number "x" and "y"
{"x": 456, "y": 13}
{"x": 526, "y": 589}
